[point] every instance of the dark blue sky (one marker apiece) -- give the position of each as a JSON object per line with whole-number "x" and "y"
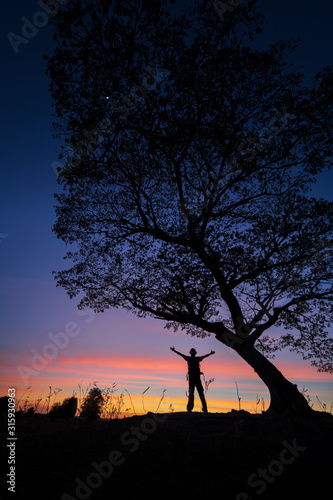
{"x": 27, "y": 179}
{"x": 29, "y": 251}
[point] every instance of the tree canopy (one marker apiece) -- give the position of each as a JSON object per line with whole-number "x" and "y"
{"x": 91, "y": 407}
{"x": 190, "y": 159}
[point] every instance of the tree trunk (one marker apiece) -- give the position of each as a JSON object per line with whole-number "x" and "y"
{"x": 285, "y": 397}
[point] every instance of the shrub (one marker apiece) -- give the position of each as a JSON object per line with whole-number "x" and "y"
{"x": 66, "y": 409}
{"x": 92, "y": 404}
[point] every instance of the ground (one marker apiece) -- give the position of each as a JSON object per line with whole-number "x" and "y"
{"x": 230, "y": 456}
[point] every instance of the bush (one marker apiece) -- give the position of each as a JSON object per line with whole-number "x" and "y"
{"x": 3, "y": 405}
{"x": 92, "y": 404}
{"x": 66, "y": 409}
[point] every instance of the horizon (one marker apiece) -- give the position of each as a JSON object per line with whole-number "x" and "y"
{"x": 158, "y": 368}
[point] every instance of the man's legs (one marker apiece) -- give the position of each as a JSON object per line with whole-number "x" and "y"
{"x": 202, "y": 396}
{"x": 190, "y": 403}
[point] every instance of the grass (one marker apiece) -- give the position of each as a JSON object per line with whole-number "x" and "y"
{"x": 115, "y": 405}
{"x": 193, "y": 455}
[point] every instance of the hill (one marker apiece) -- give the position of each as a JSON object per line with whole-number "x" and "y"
{"x": 230, "y": 456}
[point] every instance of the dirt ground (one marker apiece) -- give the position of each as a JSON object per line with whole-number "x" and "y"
{"x": 230, "y": 456}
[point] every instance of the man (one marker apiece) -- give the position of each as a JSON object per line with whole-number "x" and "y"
{"x": 194, "y": 380}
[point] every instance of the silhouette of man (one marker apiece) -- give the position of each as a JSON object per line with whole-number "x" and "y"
{"x": 194, "y": 381}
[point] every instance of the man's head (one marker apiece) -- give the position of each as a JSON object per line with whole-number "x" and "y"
{"x": 193, "y": 352}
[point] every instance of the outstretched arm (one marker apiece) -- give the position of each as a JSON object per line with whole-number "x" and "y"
{"x": 179, "y": 353}
{"x": 206, "y": 355}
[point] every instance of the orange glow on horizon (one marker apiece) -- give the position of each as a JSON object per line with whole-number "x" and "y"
{"x": 136, "y": 373}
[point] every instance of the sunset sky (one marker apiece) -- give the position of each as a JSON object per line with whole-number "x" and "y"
{"x": 39, "y": 322}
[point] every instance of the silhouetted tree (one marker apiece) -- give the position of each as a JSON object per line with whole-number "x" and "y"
{"x": 92, "y": 405}
{"x": 66, "y": 409}
{"x": 187, "y": 188}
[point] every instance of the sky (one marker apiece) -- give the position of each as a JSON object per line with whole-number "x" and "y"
{"x": 44, "y": 341}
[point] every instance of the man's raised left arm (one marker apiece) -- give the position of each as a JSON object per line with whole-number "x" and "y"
{"x": 206, "y": 355}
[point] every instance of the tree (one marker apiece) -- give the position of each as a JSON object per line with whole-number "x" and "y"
{"x": 191, "y": 157}
{"x": 92, "y": 405}
{"x": 66, "y": 409}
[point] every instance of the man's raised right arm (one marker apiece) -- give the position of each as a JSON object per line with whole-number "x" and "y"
{"x": 179, "y": 353}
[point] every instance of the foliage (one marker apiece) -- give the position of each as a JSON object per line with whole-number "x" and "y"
{"x": 191, "y": 156}
{"x": 51, "y": 393}
{"x": 66, "y": 409}
{"x": 92, "y": 405}
{"x": 195, "y": 208}
{"x": 112, "y": 404}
